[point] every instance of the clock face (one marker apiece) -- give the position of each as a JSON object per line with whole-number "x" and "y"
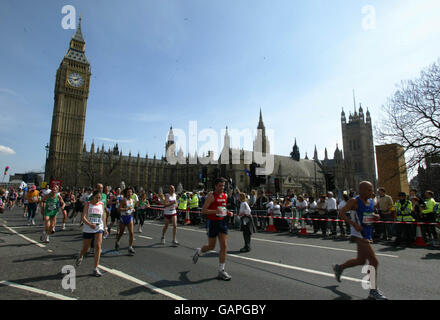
{"x": 75, "y": 80}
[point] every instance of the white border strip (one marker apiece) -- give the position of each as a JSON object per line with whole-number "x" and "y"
{"x": 35, "y": 290}
{"x": 24, "y": 237}
{"x": 142, "y": 283}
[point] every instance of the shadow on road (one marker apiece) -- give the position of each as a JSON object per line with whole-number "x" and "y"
{"x": 183, "y": 281}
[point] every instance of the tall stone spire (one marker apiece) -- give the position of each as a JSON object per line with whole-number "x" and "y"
{"x": 295, "y": 152}
{"x": 78, "y": 36}
{"x": 260, "y": 122}
{"x": 315, "y": 155}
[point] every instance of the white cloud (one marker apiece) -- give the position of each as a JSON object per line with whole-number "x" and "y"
{"x": 115, "y": 140}
{"x": 6, "y": 150}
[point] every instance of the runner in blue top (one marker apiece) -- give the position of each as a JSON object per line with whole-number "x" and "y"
{"x": 361, "y": 232}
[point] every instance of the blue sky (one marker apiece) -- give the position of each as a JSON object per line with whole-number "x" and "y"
{"x": 161, "y": 63}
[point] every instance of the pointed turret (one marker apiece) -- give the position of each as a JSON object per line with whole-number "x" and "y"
{"x": 77, "y": 46}
{"x": 343, "y": 119}
{"x": 326, "y": 154}
{"x": 315, "y": 154}
{"x": 92, "y": 148}
{"x": 295, "y": 155}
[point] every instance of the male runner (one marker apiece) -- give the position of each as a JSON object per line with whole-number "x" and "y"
{"x": 215, "y": 209}
{"x": 361, "y": 233}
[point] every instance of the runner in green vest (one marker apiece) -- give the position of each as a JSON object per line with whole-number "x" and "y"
{"x": 403, "y": 209}
{"x": 50, "y": 212}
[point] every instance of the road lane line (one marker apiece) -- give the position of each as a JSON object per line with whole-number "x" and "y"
{"x": 145, "y": 237}
{"x": 294, "y": 244}
{"x": 24, "y": 237}
{"x": 331, "y": 275}
{"x": 321, "y": 247}
{"x": 142, "y": 283}
{"x": 35, "y": 290}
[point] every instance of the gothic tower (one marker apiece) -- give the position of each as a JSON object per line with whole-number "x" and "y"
{"x": 295, "y": 152}
{"x": 261, "y": 142}
{"x": 358, "y": 145}
{"x": 69, "y": 113}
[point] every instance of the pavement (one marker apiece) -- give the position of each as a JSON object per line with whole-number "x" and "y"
{"x": 281, "y": 266}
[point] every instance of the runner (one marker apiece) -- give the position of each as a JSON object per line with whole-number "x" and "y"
{"x": 115, "y": 214}
{"x": 69, "y": 209}
{"x": 215, "y": 209}
{"x": 170, "y": 214}
{"x": 142, "y": 213}
{"x": 32, "y": 198}
{"x": 100, "y": 188}
{"x": 362, "y": 234}
{"x": 94, "y": 219}
{"x": 126, "y": 208}
{"x": 43, "y": 194}
{"x": 50, "y": 212}
{"x": 12, "y": 198}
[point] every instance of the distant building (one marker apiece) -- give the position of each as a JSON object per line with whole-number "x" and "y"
{"x": 73, "y": 164}
{"x": 391, "y": 169}
{"x": 428, "y": 177}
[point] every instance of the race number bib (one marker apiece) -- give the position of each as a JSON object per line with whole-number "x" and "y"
{"x": 52, "y": 207}
{"x": 368, "y": 218}
{"x": 95, "y": 218}
{"x": 34, "y": 199}
{"x": 223, "y": 214}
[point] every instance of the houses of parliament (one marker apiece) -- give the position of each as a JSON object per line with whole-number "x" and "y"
{"x": 70, "y": 161}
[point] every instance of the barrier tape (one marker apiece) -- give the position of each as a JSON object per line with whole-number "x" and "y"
{"x": 304, "y": 219}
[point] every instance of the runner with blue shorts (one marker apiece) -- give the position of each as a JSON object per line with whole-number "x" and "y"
{"x": 361, "y": 222}
{"x": 127, "y": 209}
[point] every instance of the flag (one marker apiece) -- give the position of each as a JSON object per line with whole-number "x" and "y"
{"x": 6, "y": 169}
{"x": 247, "y": 172}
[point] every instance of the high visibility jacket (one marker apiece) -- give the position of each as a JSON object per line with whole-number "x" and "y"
{"x": 194, "y": 203}
{"x": 430, "y": 204}
{"x": 403, "y": 212}
{"x": 182, "y": 203}
{"x": 437, "y": 211}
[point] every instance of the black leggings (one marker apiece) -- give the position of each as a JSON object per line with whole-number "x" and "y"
{"x": 142, "y": 215}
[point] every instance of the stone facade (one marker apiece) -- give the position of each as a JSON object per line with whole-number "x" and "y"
{"x": 70, "y": 161}
{"x": 391, "y": 169}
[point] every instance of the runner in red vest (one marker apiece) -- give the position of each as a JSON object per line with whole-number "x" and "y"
{"x": 215, "y": 210}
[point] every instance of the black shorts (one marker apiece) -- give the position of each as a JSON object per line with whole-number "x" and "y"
{"x": 115, "y": 215}
{"x": 89, "y": 235}
{"x": 217, "y": 226}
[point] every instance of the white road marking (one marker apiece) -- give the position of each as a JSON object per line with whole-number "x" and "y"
{"x": 292, "y": 244}
{"x": 321, "y": 247}
{"x": 35, "y": 290}
{"x": 142, "y": 283}
{"x": 24, "y": 237}
{"x": 145, "y": 237}
{"x": 295, "y": 268}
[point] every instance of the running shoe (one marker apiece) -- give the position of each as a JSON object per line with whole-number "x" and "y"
{"x": 338, "y": 272}
{"x": 197, "y": 255}
{"x": 92, "y": 251}
{"x": 117, "y": 246}
{"x": 29, "y": 223}
{"x": 78, "y": 261}
{"x": 140, "y": 229}
{"x": 175, "y": 242}
{"x": 162, "y": 240}
{"x": 223, "y": 275}
{"x": 64, "y": 227}
{"x": 131, "y": 250}
{"x": 97, "y": 273}
{"x": 43, "y": 237}
{"x": 375, "y": 294}
{"x": 33, "y": 222}
{"x": 47, "y": 239}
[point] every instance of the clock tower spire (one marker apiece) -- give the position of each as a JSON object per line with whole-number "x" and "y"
{"x": 69, "y": 113}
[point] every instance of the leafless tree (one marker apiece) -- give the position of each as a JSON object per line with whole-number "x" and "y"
{"x": 412, "y": 117}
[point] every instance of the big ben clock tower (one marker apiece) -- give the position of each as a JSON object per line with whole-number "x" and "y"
{"x": 69, "y": 114}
